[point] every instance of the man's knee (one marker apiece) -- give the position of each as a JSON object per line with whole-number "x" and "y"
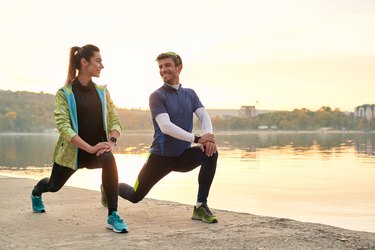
{"x": 127, "y": 192}
{"x": 213, "y": 157}
{"x": 135, "y": 199}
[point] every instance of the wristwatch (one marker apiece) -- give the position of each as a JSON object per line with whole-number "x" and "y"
{"x": 196, "y": 138}
{"x": 113, "y": 139}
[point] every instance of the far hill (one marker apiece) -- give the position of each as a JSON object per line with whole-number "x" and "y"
{"x": 23, "y": 111}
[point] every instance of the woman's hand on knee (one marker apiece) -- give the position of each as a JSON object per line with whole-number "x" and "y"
{"x": 101, "y": 148}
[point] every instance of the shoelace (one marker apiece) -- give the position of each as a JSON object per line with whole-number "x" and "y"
{"x": 206, "y": 210}
{"x": 38, "y": 201}
{"x": 117, "y": 218}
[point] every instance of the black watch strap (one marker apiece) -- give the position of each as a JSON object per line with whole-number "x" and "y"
{"x": 113, "y": 139}
{"x": 196, "y": 138}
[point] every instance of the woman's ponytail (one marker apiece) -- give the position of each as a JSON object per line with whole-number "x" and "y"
{"x": 72, "y": 69}
{"x": 75, "y": 56}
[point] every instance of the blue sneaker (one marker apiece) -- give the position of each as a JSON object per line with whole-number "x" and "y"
{"x": 37, "y": 203}
{"x": 116, "y": 224}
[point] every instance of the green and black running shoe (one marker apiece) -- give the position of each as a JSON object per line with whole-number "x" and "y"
{"x": 103, "y": 196}
{"x": 204, "y": 214}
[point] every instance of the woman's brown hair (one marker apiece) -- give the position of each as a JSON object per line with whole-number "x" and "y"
{"x": 75, "y": 56}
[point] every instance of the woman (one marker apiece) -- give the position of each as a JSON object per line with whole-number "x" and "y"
{"x": 89, "y": 127}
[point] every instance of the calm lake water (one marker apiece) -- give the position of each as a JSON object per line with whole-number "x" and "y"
{"x": 325, "y": 178}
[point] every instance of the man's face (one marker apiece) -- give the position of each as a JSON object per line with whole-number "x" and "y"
{"x": 168, "y": 71}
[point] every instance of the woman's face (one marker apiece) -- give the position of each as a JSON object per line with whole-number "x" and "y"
{"x": 95, "y": 65}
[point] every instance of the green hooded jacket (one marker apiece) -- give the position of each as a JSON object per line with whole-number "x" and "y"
{"x": 65, "y": 153}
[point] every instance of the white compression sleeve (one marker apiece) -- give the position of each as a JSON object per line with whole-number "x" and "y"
{"x": 205, "y": 119}
{"x": 167, "y": 127}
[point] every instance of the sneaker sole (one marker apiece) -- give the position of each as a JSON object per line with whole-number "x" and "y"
{"x": 39, "y": 212}
{"x": 110, "y": 227}
{"x": 206, "y": 221}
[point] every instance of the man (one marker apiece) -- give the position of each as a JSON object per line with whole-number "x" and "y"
{"x": 172, "y": 108}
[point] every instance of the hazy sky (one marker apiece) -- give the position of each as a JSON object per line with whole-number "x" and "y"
{"x": 285, "y": 54}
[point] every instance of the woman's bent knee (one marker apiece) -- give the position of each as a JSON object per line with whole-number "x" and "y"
{"x": 107, "y": 157}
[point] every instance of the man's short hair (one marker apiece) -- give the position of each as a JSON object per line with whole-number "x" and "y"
{"x": 176, "y": 58}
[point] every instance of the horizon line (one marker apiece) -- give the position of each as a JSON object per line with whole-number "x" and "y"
{"x": 218, "y": 108}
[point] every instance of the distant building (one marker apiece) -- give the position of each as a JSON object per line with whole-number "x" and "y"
{"x": 366, "y": 111}
{"x": 263, "y": 127}
{"x": 248, "y": 111}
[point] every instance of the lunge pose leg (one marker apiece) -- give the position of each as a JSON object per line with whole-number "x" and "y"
{"x": 89, "y": 127}
{"x": 172, "y": 109}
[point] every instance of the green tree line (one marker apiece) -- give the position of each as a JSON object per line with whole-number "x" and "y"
{"x": 23, "y": 111}
{"x": 298, "y": 119}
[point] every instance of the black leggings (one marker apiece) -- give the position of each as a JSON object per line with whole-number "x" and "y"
{"x": 157, "y": 167}
{"x": 61, "y": 174}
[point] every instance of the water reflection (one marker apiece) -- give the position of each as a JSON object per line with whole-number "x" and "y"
{"x": 21, "y": 150}
{"x": 134, "y": 143}
{"x": 365, "y": 145}
{"x": 300, "y": 142}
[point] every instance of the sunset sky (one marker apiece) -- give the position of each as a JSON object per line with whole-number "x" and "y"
{"x": 284, "y": 54}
